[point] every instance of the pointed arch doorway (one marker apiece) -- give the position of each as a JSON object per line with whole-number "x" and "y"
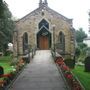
{"x": 44, "y": 39}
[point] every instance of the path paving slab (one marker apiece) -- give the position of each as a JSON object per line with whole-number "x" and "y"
{"x": 40, "y": 74}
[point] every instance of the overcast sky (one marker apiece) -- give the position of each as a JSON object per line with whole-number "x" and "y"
{"x": 74, "y": 9}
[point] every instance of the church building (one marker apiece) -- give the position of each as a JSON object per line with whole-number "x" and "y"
{"x": 44, "y": 29}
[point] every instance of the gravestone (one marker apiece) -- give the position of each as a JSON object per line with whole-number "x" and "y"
{"x": 1, "y": 70}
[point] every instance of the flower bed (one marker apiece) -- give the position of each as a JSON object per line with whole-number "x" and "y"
{"x": 6, "y": 79}
{"x": 73, "y": 83}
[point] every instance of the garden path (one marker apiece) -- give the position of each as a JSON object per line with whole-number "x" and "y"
{"x": 40, "y": 74}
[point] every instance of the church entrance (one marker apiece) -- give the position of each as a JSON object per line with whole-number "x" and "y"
{"x": 43, "y": 36}
{"x": 43, "y": 39}
{"x": 43, "y": 42}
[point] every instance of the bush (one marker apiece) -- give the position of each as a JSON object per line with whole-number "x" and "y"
{"x": 1, "y": 70}
{"x": 70, "y": 63}
{"x": 87, "y": 64}
{"x": 8, "y": 52}
{"x": 77, "y": 52}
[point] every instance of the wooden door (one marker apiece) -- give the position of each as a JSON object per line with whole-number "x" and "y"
{"x": 43, "y": 43}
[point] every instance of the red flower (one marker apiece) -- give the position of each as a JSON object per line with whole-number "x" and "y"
{"x": 59, "y": 62}
{"x": 64, "y": 67}
{"x": 69, "y": 76}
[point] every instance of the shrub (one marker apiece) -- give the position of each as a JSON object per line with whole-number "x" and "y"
{"x": 1, "y": 70}
{"x": 77, "y": 52}
{"x": 70, "y": 63}
{"x": 87, "y": 64}
{"x": 8, "y": 52}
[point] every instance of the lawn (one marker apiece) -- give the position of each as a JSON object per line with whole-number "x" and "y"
{"x": 5, "y": 63}
{"x": 84, "y": 77}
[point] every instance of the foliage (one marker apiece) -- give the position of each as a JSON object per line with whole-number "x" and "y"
{"x": 70, "y": 63}
{"x": 1, "y": 8}
{"x": 82, "y": 45}
{"x": 77, "y": 52}
{"x": 80, "y": 35}
{"x": 84, "y": 77}
{"x": 87, "y": 64}
{"x": 81, "y": 52}
{"x": 6, "y": 26}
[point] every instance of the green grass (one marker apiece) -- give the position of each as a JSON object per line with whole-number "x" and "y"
{"x": 5, "y": 59}
{"x": 5, "y": 63}
{"x": 84, "y": 77}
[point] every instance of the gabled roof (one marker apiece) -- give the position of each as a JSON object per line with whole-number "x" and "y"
{"x": 44, "y": 7}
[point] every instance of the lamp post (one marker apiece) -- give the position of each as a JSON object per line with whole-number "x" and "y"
{"x": 54, "y": 39}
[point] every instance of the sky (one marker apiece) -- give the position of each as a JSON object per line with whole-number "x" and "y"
{"x": 72, "y": 9}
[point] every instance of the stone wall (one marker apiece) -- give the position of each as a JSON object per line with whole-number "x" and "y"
{"x": 30, "y": 23}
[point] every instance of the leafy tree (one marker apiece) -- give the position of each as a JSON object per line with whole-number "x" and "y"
{"x": 6, "y": 26}
{"x": 81, "y": 51}
{"x": 80, "y": 35}
{"x": 82, "y": 45}
{"x": 77, "y": 52}
{"x": 1, "y": 9}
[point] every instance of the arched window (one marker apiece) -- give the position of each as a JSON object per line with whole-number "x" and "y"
{"x": 61, "y": 37}
{"x": 61, "y": 42}
{"x": 25, "y": 42}
{"x": 26, "y": 38}
{"x": 44, "y": 23}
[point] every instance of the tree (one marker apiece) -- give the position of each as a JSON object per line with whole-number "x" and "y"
{"x": 77, "y": 52}
{"x": 80, "y": 35}
{"x": 1, "y": 9}
{"x": 82, "y": 47}
{"x": 6, "y": 26}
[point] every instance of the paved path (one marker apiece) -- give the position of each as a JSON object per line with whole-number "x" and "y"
{"x": 40, "y": 74}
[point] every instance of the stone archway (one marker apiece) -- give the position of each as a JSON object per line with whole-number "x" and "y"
{"x": 44, "y": 39}
{"x": 43, "y": 36}
{"x": 25, "y": 42}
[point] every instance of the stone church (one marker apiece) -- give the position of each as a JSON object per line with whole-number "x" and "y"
{"x": 44, "y": 29}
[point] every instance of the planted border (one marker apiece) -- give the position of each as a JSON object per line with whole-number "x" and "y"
{"x": 72, "y": 81}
